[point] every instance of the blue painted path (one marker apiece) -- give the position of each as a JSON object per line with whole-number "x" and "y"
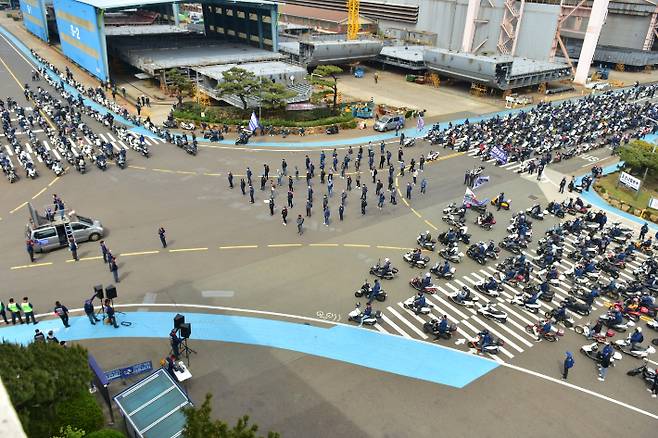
{"x": 367, "y": 348}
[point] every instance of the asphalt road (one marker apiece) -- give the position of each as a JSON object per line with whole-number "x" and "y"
{"x": 223, "y": 251}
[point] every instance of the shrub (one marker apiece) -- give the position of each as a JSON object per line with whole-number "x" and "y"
{"x": 80, "y": 412}
{"x": 235, "y": 116}
{"x": 106, "y": 433}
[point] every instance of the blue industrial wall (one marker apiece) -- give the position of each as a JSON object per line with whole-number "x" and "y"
{"x": 34, "y": 17}
{"x": 81, "y": 35}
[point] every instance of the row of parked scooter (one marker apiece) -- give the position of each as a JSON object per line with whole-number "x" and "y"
{"x": 549, "y": 255}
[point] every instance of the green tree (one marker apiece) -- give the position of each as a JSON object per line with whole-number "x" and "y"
{"x": 273, "y": 95}
{"x": 199, "y": 424}
{"x": 179, "y": 82}
{"x": 239, "y": 82}
{"x": 325, "y": 77}
{"x": 637, "y": 155}
{"x": 38, "y": 377}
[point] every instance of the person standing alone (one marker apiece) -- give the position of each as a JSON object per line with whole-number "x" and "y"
{"x": 568, "y": 364}
{"x": 163, "y": 237}
{"x": 61, "y": 311}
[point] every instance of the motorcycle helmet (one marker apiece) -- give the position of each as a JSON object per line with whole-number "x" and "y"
{"x": 427, "y": 275}
{"x": 639, "y": 329}
{"x": 386, "y": 260}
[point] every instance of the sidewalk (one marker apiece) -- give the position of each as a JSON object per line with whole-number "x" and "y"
{"x": 389, "y": 353}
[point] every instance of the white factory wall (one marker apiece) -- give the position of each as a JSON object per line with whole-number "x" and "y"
{"x": 446, "y": 18}
{"x": 624, "y": 31}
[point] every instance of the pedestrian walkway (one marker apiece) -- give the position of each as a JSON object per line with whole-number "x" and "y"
{"x": 396, "y": 319}
{"x": 353, "y": 345}
{"x": 512, "y": 166}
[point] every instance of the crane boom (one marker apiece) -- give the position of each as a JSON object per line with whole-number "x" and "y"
{"x": 352, "y": 19}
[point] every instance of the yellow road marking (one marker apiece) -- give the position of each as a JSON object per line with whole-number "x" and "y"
{"x": 137, "y": 167}
{"x": 213, "y": 174}
{"x": 430, "y": 224}
{"x": 238, "y": 247}
{"x": 188, "y": 249}
{"x": 284, "y": 245}
{"x": 35, "y": 265}
{"x": 322, "y": 245}
{"x": 128, "y": 254}
{"x": 19, "y": 82}
{"x": 18, "y": 208}
{"x": 54, "y": 181}
{"x": 185, "y": 172}
{"x": 394, "y": 247}
{"x": 354, "y": 245}
{"x": 163, "y": 170}
{"x": 42, "y": 190}
{"x": 415, "y": 212}
{"x": 84, "y": 259}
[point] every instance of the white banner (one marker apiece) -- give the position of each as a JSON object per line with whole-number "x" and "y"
{"x": 653, "y": 203}
{"x": 629, "y": 181}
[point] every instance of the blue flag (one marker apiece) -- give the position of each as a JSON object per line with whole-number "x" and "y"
{"x": 499, "y": 154}
{"x": 479, "y": 181}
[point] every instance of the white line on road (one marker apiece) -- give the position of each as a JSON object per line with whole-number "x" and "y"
{"x": 217, "y": 294}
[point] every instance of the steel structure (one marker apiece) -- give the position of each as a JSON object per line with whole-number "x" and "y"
{"x": 594, "y": 25}
{"x": 352, "y": 19}
{"x": 502, "y": 72}
{"x": 510, "y": 26}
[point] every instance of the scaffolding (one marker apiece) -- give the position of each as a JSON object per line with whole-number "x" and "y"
{"x": 510, "y": 27}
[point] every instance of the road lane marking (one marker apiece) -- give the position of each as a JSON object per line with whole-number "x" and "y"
{"x": 35, "y": 265}
{"x": 217, "y": 293}
{"x": 42, "y": 190}
{"x": 394, "y": 247}
{"x": 239, "y": 247}
{"x": 162, "y": 170}
{"x": 431, "y": 225}
{"x": 137, "y": 167}
{"x": 128, "y": 254}
{"x": 323, "y": 245}
{"x": 213, "y": 174}
{"x": 355, "y": 245}
{"x": 284, "y": 245}
{"x": 84, "y": 259}
{"x": 18, "y": 208}
{"x": 185, "y": 172}
{"x": 188, "y": 249}
{"x": 415, "y": 212}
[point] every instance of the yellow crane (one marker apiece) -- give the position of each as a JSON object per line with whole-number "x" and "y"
{"x": 352, "y": 19}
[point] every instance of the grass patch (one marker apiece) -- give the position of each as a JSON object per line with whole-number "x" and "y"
{"x": 608, "y": 185}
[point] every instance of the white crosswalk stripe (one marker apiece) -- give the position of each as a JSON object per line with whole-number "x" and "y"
{"x": 395, "y": 327}
{"x": 9, "y": 151}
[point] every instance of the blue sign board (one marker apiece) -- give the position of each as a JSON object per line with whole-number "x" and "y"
{"x": 34, "y": 17}
{"x": 132, "y": 370}
{"x": 80, "y": 33}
